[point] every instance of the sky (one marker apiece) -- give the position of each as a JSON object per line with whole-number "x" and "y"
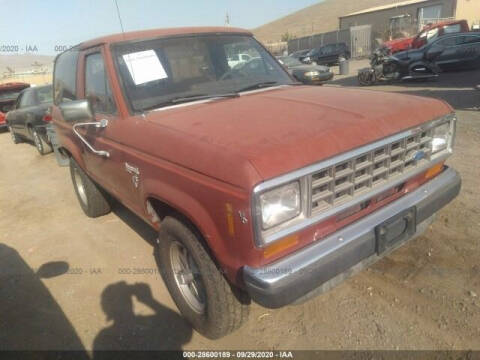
{"x": 46, "y": 27}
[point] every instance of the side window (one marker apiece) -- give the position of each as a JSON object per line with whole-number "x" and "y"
{"x": 28, "y": 99}
{"x": 44, "y": 95}
{"x": 97, "y": 88}
{"x": 450, "y": 29}
{"x": 471, "y": 39}
{"x": 65, "y": 76}
{"x": 452, "y": 41}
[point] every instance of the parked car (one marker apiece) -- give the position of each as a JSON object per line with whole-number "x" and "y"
{"x": 429, "y": 32}
{"x": 8, "y": 96}
{"x": 307, "y": 74}
{"x": 260, "y": 188}
{"x": 29, "y": 118}
{"x": 301, "y": 54}
{"x": 328, "y": 54}
{"x": 237, "y": 59}
{"x": 459, "y": 51}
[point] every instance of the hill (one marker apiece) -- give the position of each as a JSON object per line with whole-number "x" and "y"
{"x": 24, "y": 62}
{"x": 318, "y": 18}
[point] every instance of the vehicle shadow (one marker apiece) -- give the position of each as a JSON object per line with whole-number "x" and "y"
{"x": 164, "y": 330}
{"x": 31, "y": 319}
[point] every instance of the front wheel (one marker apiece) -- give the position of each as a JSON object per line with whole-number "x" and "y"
{"x": 200, "y": 291}
{"x": 366, "y": 78}
{"x": 92, "y": 199}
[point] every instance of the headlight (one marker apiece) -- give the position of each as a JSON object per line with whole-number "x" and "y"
{"x": 279, "y": 205}
{"x": 312, "y": 73}
{"x": 441, "y": 138}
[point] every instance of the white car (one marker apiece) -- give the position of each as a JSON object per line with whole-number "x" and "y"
{"x": 236, "y": 59}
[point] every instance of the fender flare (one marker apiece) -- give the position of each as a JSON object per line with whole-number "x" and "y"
{"x": 191, "y": 209}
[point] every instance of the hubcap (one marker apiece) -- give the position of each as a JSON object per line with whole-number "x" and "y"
{"x": 187, "y": 277}
{"x": 80, "y": 186}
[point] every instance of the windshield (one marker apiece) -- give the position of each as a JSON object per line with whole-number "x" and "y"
{"x": 157, "y": 72}
{"x": 290, "y": 61}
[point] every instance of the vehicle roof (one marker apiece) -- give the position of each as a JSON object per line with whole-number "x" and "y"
{"x": 153, "y": 33}
{"x": 442, "y": 23}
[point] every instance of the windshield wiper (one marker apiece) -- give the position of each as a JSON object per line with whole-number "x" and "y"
{"x": 184, "y": 99}
{"x": 258, "y": 85}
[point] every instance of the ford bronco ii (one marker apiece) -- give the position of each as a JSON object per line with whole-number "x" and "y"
{"x": 260, "y": 188}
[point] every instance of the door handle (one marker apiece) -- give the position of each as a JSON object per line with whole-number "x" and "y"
{"x": 98, "y": 124}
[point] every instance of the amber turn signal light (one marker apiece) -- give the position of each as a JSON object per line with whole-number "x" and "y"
{"x": 280, "y": 246}
{"x": 433, "y": 171}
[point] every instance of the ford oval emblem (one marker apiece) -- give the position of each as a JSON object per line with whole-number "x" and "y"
{"x": 419, "y": 155}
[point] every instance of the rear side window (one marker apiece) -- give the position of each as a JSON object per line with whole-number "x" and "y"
{"x": 44, "y": 95}
{"x": 471, "y": 39}
{"x": 65, "y": 76}
{"x": 28, "y": 99}
{"x": 97, "y": 88}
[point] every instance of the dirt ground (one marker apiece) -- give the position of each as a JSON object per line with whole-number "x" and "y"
{"x": 426, "y": 295}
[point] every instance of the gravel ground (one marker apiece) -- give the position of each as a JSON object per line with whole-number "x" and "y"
{"x": 426, "y": 295}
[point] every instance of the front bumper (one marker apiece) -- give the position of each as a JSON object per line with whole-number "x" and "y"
{"x": 319, "y": 78}
{"x": 317, "y": 267}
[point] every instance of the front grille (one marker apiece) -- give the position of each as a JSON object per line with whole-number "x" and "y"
{"x": 342, "y": 182}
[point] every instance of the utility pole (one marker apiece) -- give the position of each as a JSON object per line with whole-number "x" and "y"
{"x": 227, "y": 19}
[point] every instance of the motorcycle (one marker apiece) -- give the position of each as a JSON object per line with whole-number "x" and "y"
{"x": 398, "y": 67}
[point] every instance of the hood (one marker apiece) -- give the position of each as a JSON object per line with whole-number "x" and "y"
{"x": 399, "y": 44}
{"x": 283, "y": 129}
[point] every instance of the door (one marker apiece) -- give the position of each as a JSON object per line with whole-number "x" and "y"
{"x": 469, "y": 52}
{"x": 445, "y": 52}
{"x": 360, "y": 37}
{"x": 109, "y": 171}
{"x": 23, "y": 115}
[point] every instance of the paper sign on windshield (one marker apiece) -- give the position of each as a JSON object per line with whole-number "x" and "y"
{"x": 144, "y": 66}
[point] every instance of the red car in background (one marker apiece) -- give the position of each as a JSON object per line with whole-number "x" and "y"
{"x": 8, "y": 96}
{"x": 428, "y": 32}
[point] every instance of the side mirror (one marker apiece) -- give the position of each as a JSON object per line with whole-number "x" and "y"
{"x": 77, "y": 110}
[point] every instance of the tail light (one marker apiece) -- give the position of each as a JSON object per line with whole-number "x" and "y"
{"x": 47, "y": 117}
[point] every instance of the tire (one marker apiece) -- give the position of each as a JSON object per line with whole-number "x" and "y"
{"x": 92, "y": 199}
{"x": 15, "y": 138}
{"x": 366, "y": 78}
{"x": 41, "y": 145}
{"x": 216, "y": 308}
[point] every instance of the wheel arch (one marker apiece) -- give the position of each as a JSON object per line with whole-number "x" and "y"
{"x": 197, "y": 219}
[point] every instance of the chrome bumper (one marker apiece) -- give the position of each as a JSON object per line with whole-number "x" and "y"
{"x": 318, "y": 267}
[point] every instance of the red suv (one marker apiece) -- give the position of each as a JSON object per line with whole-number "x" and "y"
{"x": 428, "y": 33}
{"x": 8, "y": 96}
{"x": 260, "y": 188}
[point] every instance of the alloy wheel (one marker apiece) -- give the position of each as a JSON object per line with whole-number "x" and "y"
{"x": 187, "y": 277}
